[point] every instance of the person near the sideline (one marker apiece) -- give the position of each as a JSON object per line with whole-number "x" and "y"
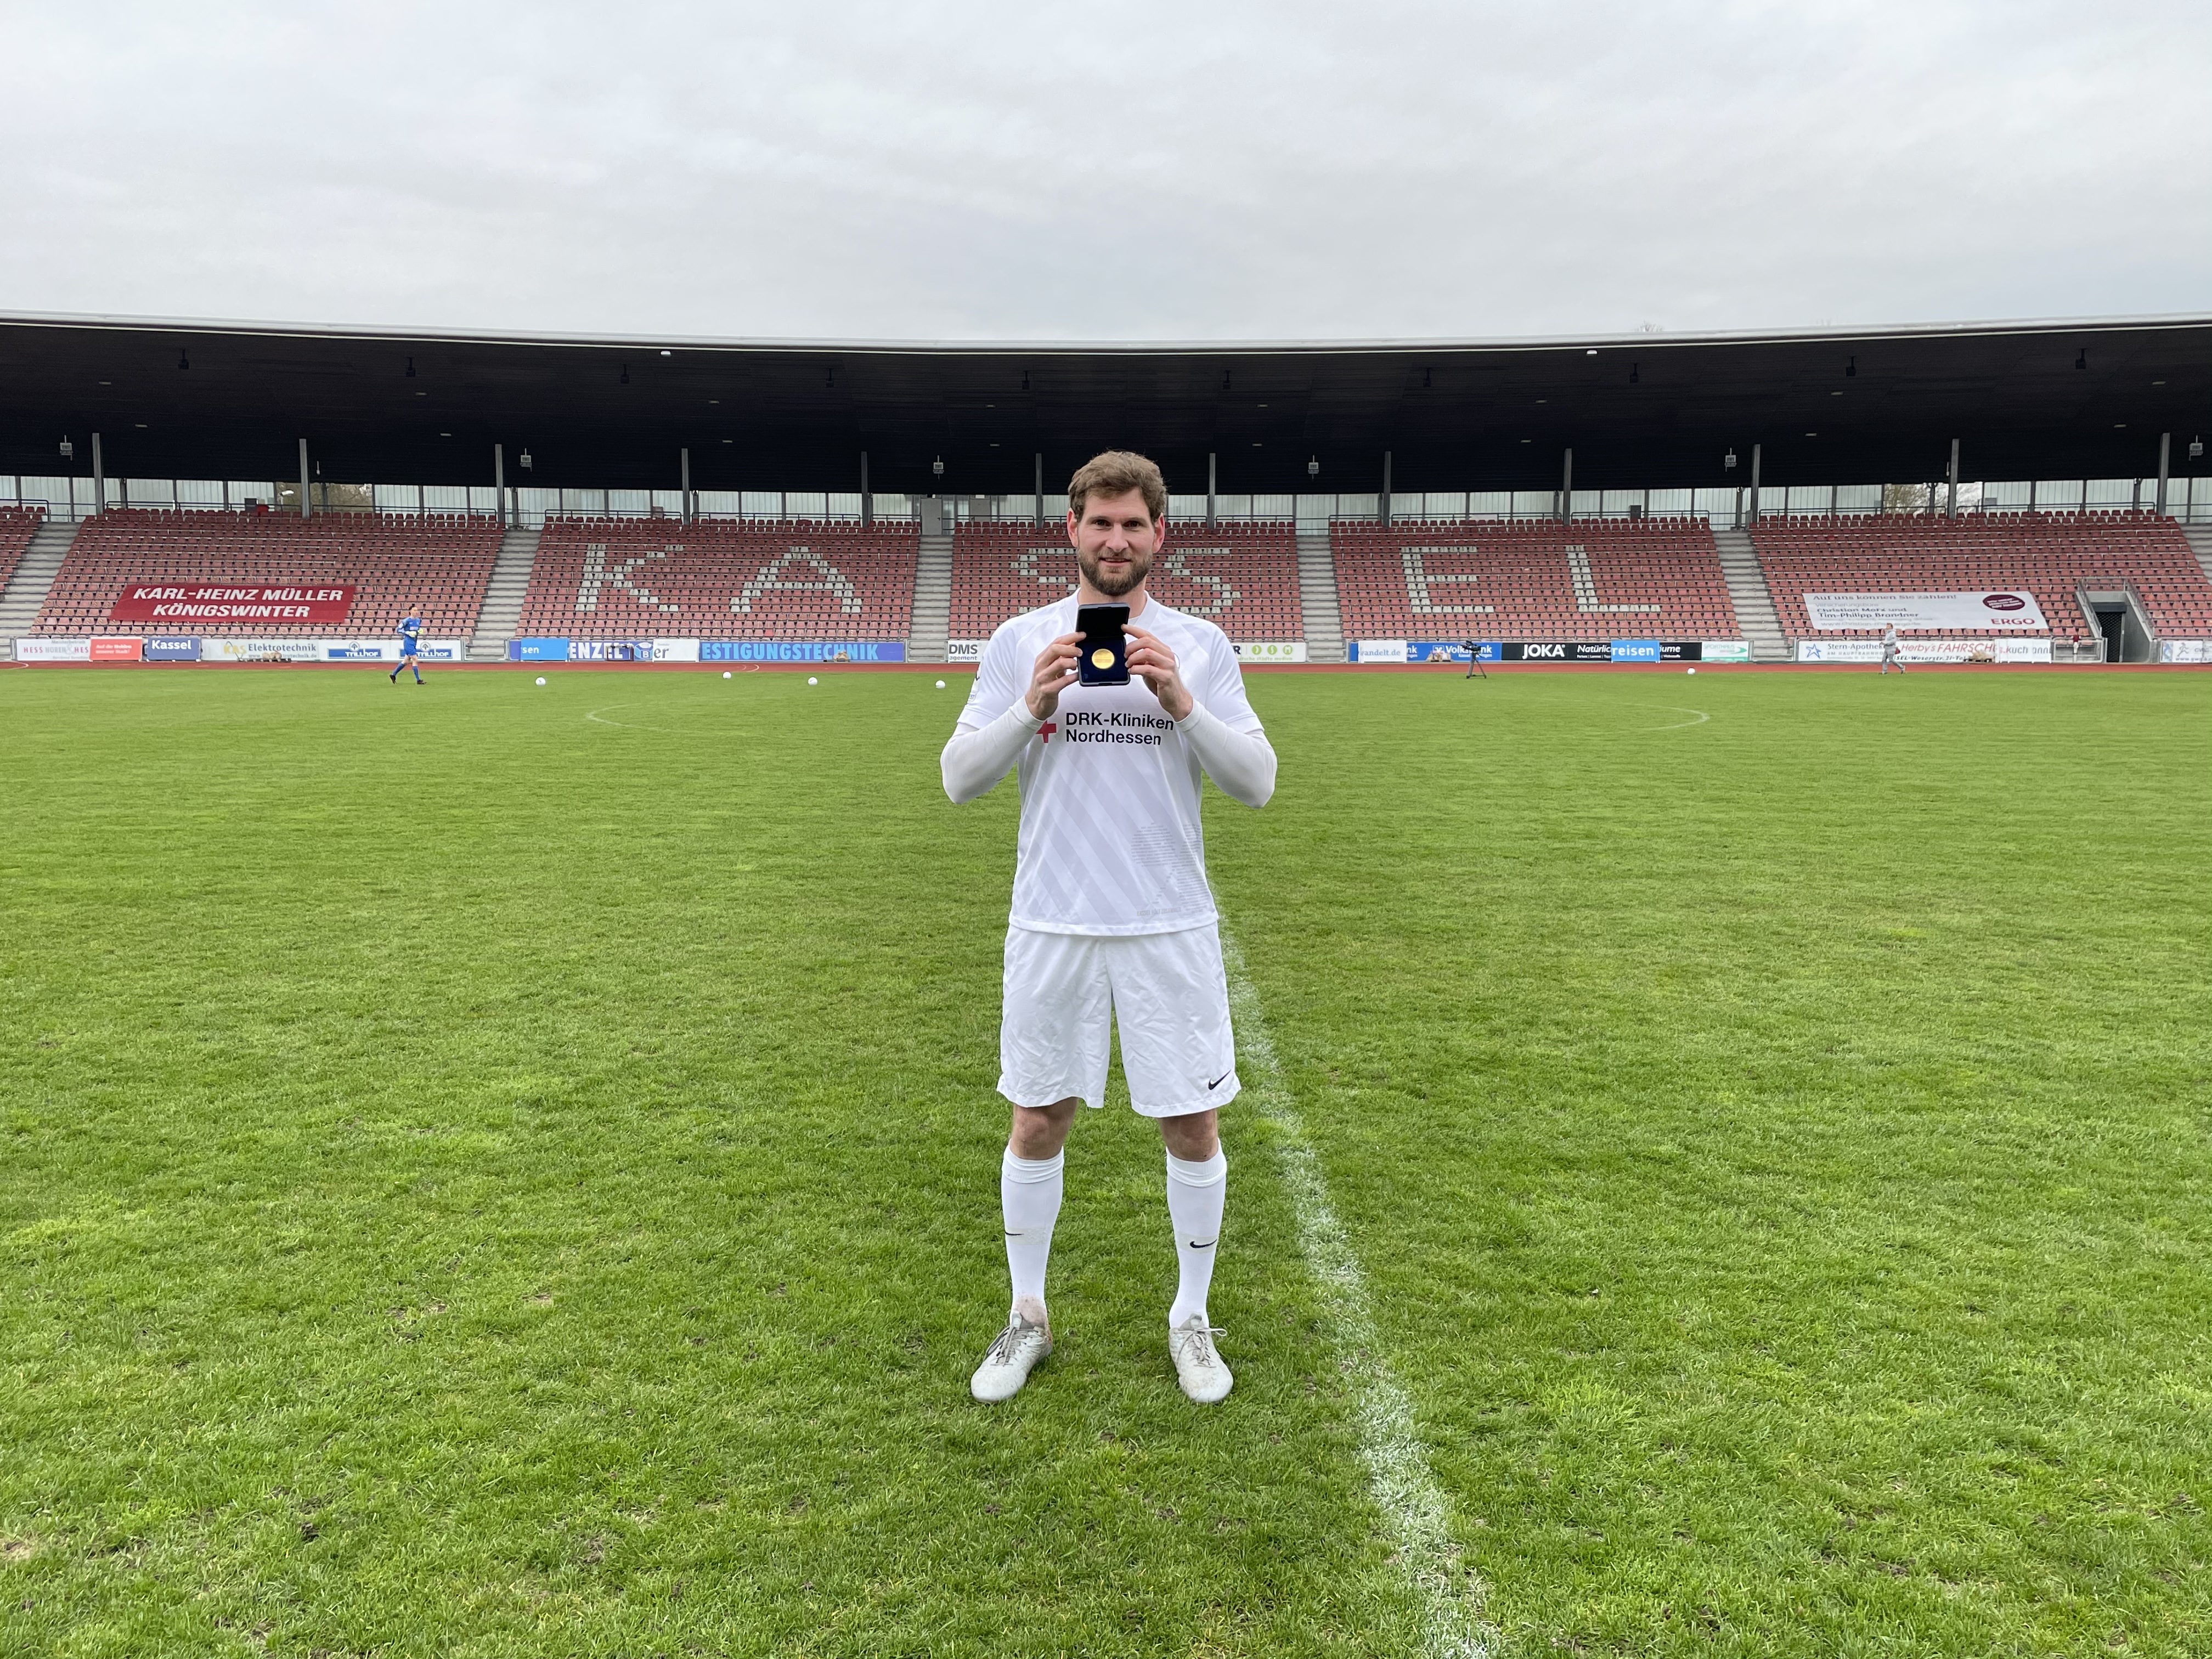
{"x": 410, "y": 637}
{"x": 1889, "y": 656}
{"x": 1112, "y": 917}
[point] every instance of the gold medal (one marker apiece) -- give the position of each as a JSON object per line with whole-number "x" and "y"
{"x": 1102, "y": 658}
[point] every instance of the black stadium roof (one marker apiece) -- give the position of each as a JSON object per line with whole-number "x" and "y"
{"x": 183, "y": 398}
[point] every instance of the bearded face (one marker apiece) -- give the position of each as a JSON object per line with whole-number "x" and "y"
{"x": 1113, "y": 571}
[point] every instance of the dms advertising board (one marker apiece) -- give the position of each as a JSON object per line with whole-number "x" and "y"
{"x": 186, "y": 603}
{"x": 1926, "y": 650}
{"x": 964, "y": 650}
{"x": 2011, "y": 608}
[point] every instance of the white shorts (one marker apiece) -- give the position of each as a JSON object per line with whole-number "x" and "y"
{"x": 1166, "y": 991}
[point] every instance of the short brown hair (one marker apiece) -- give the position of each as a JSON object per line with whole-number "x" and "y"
{"x": 1117, "y": 472}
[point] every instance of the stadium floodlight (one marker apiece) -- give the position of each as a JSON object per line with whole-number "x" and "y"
{"x": 525, "y": 460}
{"x": 1728, "y": 461}
{"x": 1313, "y": 467}
{"x": 68, "y": 449}
{"x": 936, "y": 466}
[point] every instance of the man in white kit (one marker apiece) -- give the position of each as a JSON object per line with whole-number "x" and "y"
{"x": 1113, "y": 920}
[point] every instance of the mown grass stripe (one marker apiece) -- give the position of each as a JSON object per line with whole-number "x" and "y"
{"x": 1414, "y": 1508}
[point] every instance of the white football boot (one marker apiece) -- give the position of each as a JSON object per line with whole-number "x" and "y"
{"x": 1009, "y": 1360}
{"x": 1198, "y": 1363}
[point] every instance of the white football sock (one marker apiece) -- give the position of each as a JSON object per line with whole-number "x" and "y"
{"x": 1196, "y": 1194}
{"x": 1028, "y": 1192}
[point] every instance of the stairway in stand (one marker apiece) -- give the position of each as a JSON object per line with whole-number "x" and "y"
{"x": 27, "y": 588}
{"x": 1754, "y": 605}
{"x": 502, "y": 603}
{"x": 932, "y": 600}
{"x": 2199, "y": 536}
{"x": 1324, "y": 622}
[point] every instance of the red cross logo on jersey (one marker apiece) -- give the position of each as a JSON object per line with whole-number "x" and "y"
{"x": 1047, "y": 730}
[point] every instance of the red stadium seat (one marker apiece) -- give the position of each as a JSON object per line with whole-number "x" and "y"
{"x": 1242, "y": 576}
{"x": 1532, "y": 579}
{"x": 397, "y": 564}
{"x": 721, "y": 579}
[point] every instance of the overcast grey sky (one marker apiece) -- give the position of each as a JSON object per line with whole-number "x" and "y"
{"x": 1139, "y": 170}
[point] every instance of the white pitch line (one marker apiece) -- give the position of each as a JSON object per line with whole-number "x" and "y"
{"x": 1678, "y": 725}
{"x": 1414, "y": 1507}
{"x": 598, "y": 714}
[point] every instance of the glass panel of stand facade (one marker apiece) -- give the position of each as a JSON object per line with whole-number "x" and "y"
{"x": 1534, "y": 503}
{"x": 1315, "y": 509}
{"x": 483, "y": 500}
{"x": 717, "y": 504}
{"x": 1271, "y": 506}
{"x": 1589, "y": 503}
{"x": 761, "y": 503}
{"x": 628, "y": 503}
{"x": 397, "y": 498}
{"x": 2110, "y": 494}
{"x": 1235, "y": 507}
{"x": 150, "y": 492}
{"x": 1357, "y": 507}
{"x": 1186, "y": 509}
{"x": 537, "y": 505}
{"x": 1858, "y": 498}
{"x": 1488, "y": 503}
{"x": 1673, "y": 503}
{"x": 201, "y": 494}
{"x": 51, "y": 493}
{"x": 891, "y": 504}
{"x": 666, "y": 504}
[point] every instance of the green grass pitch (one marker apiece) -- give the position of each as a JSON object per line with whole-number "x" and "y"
{"x": 511, "y": 1170}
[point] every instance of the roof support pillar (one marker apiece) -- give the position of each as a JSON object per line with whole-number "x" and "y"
{"x": 1951, "y": 484}
{"x": 306, "y": 500}
{"x": 1567, "y": 487}
{"x": 2165, "y": 463}
{"x": 499, "y": 481}
{"x": 867, "y": 500}
{"x": 100, "y": 474}
{"x": 1754, "y": 483}
{"x": 1040, "y": 490}
{"x": 684, "y": 480}
{"x": 1213, "y": 482}
{"x": 1383, "y": 502}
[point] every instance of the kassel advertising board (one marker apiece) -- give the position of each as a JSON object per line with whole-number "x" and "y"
{"x": 2013, "y": 609}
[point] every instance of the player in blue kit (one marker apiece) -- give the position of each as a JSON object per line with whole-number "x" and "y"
{"x": 410, "y": 637}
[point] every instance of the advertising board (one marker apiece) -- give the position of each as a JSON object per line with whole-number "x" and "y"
{"x": 1370, "y": 651}
{"x": 1270, "y": 650}
{"x": 676, "y": 651}
{"x": 232, "y": 602}
{"x": 802, "y": 651}
{"x": 2012, "y": 608}
{"x": 172, "y": 648}
{"x": 1926, "y": 651}
{"x": 359, "y": 650}
{"x": 1724, "y": 651}
{"x": 130, "y": 649}
{"x": 964, "y": 650}
{"x": 235, "y": 651}
{"x": 53, "y": 651}
{"x": 2184, "y": 650}
{"x": 538, "y": 650}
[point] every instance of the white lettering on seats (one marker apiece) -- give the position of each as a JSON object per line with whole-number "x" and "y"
{"x": 1025, "y": 565}
{"x": 1418, "y": 581}
{"x": 1224, "y": 595}
{"x": 599, "y": 574}
{"x": 769, "y": 578}
{"x": 1578, "y": 571}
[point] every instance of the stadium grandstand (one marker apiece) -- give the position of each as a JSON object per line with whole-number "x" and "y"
{"x": 1373, "y": 503}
